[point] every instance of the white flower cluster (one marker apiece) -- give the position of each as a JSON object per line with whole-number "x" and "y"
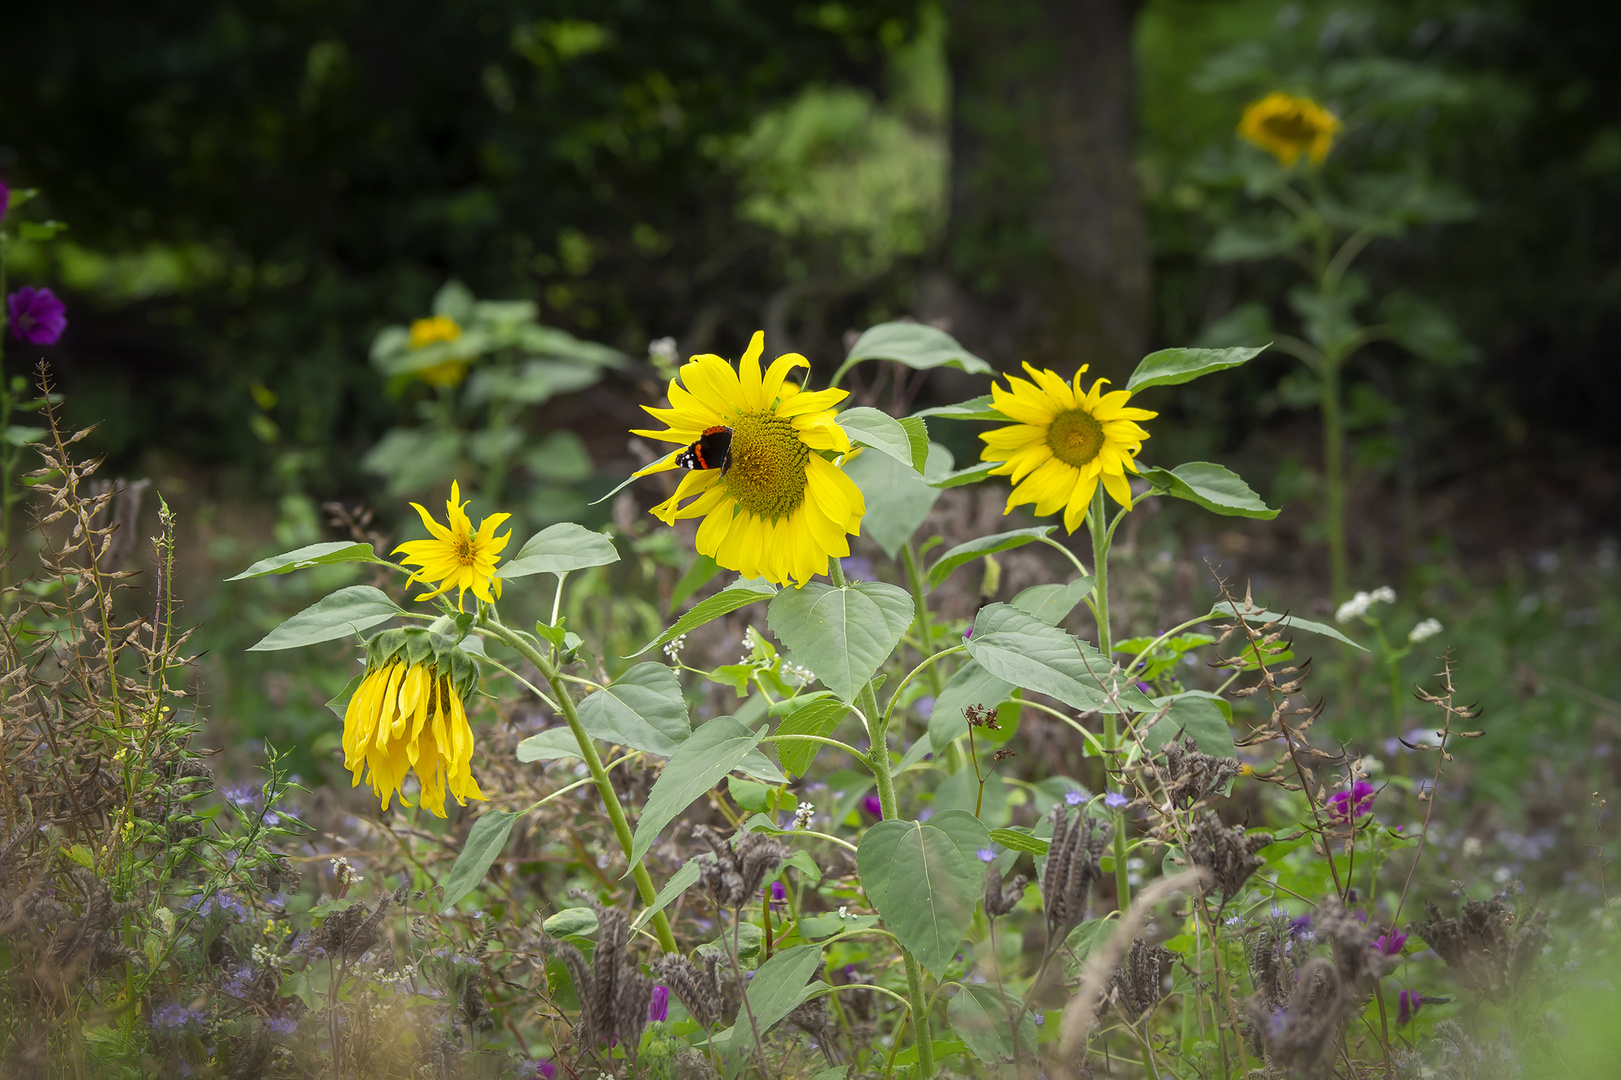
{"x": 673, "y": 648}
{"x": 748, "y": 646}
{"x": 1360, "y": 604}
{"x": 345, "y": 872}
{"x": 263, "y": 957}
{"x": 1424, "y": 631}
{"x": 803, "y": 815}
{"x": 802, "y": 675}
{"x": 663, "y": 349}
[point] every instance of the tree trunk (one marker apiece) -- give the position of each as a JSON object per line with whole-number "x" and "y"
{"x": 1047, "y": 253}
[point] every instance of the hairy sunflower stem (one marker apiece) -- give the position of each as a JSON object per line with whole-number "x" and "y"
{"x": 925, "y": 632}
{"x": 593, "y": 762}
{"x": 1097, "y": 524}
{"x": 878, "y": 761}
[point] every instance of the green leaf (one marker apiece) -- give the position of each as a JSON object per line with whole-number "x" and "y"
{"x": 313, "y": 555}
{"x": 1214, "y": 487}
{"x": 918, "y": 432}
{"x": 23, "y": 434}
{"x": 679, "y": 882}
{"x": 559, "y": 549}
{"x": 339, "y": 705}
{"x": 980, "y": 1017}
{"x": 971, "y": 475}
{"x": 1020, "y": 840}
{"x": 879, "y": 430}
{"x": 898, "y": 499}
{"x": 1193, "y": 713}
{"x": 571, "y": 922}
{"x": 777, "y": 988}
{"x": 1053, "y": 603}
{"x": 483, "y": 847}
{"x": 917, "y": 346}
{"x": 820, "y": 717}
{"x": 724, "y": 602}
{"x": 842, "y": 634}
{"x": 925, "y": 877}
{"x": 815, "y": 927}
{"x": 1258, "y": 617}
{"x": 1171, "y": 367}
{"x": 642, "y": 709}
{"x": 347, "y": 611}
{"x": 979, "y": 408}
{"x": 552, "y": 744}
{"x": 984, "y": 545}
{"x": 709, "y": 754}
{"x": 969, "y": 685}
{"x": 39, "y": 230}
{"x": 1025, "y": 651}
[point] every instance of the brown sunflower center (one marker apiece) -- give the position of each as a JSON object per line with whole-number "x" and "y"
{"x": 1075, "y": 437}
{"x": 767, "y": 473}
{"x": 1291, "y": 127}
{"x": 462, "y": 548}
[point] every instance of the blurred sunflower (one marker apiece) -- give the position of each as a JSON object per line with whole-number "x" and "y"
{"x": 439, "y": 328}
{"x": 1065, "y": 440}
{"x": 407, "y": 715}
{"x": 772, "y": 505}
{"x": 1286, "y": 126}
{"x": 457, "y": 557}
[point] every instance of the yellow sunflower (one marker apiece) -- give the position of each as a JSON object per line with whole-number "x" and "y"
{"x": 1286, "y": 126}
{"x": 457, "y": 557}
{"x": 425, "y": 332}
{"x": 779, "y": 508}
{"x": 408, "y": 716}
{"x": 1065, "y": 440}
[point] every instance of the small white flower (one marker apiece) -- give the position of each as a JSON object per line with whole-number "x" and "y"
{"x": 662, "y": 348}
{"x": 1424, "y": 631}
{"x": 803, "y": 815}
{"x": 1383, "y": 594}
{"x": 673, "y": 648}
{"x": 1362, "y": 602}
{"x": 1471, "y": 846}
{"x": 844, "y": 912}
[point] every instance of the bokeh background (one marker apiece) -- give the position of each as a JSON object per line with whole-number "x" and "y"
{"x": 255, "y": 190}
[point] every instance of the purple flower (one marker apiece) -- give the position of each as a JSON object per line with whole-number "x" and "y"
{"x": 924, "y": 707}
{"x": 872, "y": 806}
{"x": 986, "y": 854}
{"x": 1390, "y": 942}
{"x": 1114, "y": 800}
{"x": 1300, "y": 924}
{"x": 242, "y": 796}
{"x": 224, "y": 903}
{"x": 547, "y": 1070}
{"x": 1352, "y": 804}
{"x": 174, "y": 1016}
{"x": 37, "y": 316}
{"x": 968, "y": 633}
{"x": 1407, "y": 1003}
{"x": 778, "y": 892}
{"x": 1144, "y": 687}
{"x": 659, "y": 1007}
{"x": 281, "y": 1025}
{"x": 1073, "y": 798}
{"x": 5, "y": 198}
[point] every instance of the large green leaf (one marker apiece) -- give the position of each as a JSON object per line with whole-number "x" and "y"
{"x": 1214, "y": 487}
{"x": 979, "y": 408}
{"x": 483, "y": 847}
{"x": 879, "y": 430}
{"x": 1025, "y": 651}
{"x": 924, "y": 877}
{"x": 971, "y": 475}
{"x": 981, "y": 1016}
{"x": 820, "y": 716}
{"x": 1259, "y": 617}
{"x": 1053, "y": 603}
{"x": 724, "y": 602}
{"x": 709, "y": 753}
{"x": 1169, "y": 367}
{"x": 917, "y": 346}
{"x": 843, "y": 634}
{"x": 340, "y": 551}
{"x": 347, "y": 611}
{"x": 982, "y": 546}
{"x": 549, "y": 745}
{"x": 1204, "y": 716}
{"x": 642, "y": 709}
{"x": 917, "y": 432}
{"x": 898, "y": 499}
{"x": 969, "y": 685}
{"x": 559, "y": 549}
{"x": 776, "y": 989}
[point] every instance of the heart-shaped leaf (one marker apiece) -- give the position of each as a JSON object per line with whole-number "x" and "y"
{"x": 709, "y": 753}
{"x": 559, "y": 549}
{"x": 1214, "y": 487}
{"x": 1025, "y": 651}
{"x": 817, "y": 717}
{"x": 924, "y": 877}
{"x": 642, "y": 709}
{"x": 843, "y": 634}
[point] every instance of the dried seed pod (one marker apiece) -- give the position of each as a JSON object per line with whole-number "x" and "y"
{"x": 1072, "y": 867}
{"x": 1000, "y": 901}
{"x": 1226, "y": 852}
{"x": 1135, "y": 986}
{"x": 738, "y": 870}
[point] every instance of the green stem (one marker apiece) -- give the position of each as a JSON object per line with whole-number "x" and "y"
{"x": 1334, "y": 476}
{"x": 593, "y": 762}
{"x": 878, "y": 760}
{"x": 1096, "y": 524}
{"x": 925, "y": 632}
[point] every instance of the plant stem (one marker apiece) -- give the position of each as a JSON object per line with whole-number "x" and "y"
{"x": 925, "y": 631}
{"x": 1097, "y": 525}
{"x": 878, "y": 761}
{"x": 593, "y": 762}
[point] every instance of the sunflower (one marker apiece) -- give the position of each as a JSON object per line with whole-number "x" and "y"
{"x": 407, "y": 715}
{"x": 457, "y": 557}
{"x": 779, "y": 508}
{"x": 1286, "y": 126}
{"x": 425, "y": 332}
{"x": 1063, "y": 442}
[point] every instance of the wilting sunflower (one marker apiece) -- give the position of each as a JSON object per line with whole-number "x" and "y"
{"x": 1286, "y": 126}
{"x": 457, "y": 557}
{"x": 407, "y": 715}
{"x": 1064, "y": 442}
{"x": 773, "y": 505}
{"x": 425, "y": 332}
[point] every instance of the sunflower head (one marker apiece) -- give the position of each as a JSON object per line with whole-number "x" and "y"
{"x": 407, "y": 715}
{"x": 439, "y": 328}
{"x": 780, "y": 507}
{"x": 1064, "y": 441}
{"x": 457, "y": 556}
{"x": 1286, "y": 126}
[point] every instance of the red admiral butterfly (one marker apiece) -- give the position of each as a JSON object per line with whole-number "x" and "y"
{"x": 713, "y": 450}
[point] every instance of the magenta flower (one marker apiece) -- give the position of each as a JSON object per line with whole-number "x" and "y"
{"x": 37, "y": 316}
{"x": 1407, "y": 1003}
{"x": 778, "y": 891}
{"x": 5, "y": 198}
{"x": 1390, "y": 943}
{"x": 1352, "y": 804}
{"x": 872, "y": 806}
{"x": 658, "y": 1007}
